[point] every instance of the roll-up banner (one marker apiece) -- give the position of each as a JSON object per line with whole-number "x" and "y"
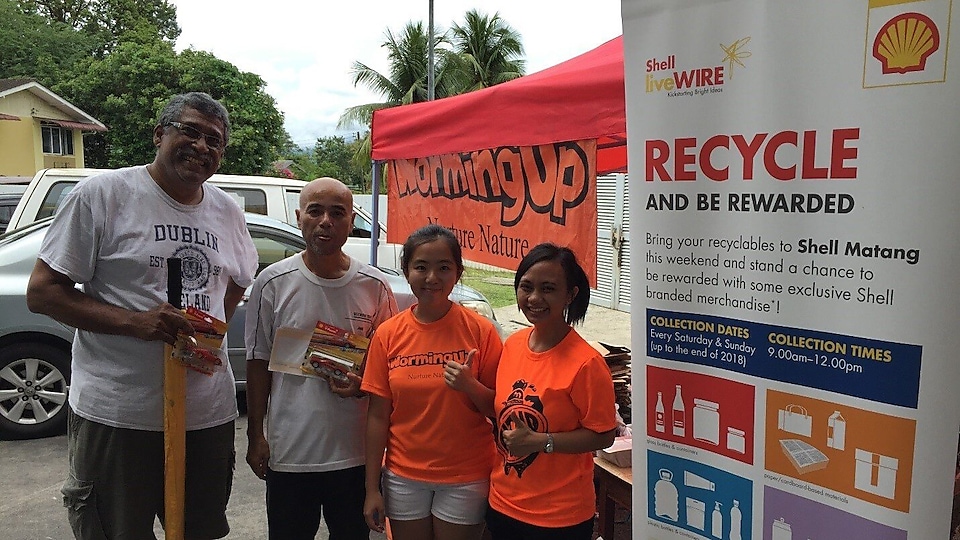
{"x": 795, "y": 179}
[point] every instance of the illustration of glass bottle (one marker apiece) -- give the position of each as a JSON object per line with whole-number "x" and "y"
{"x": 679, "y": 415}
{"x": 735, "y": 518}
{"x": 660, "y": 413}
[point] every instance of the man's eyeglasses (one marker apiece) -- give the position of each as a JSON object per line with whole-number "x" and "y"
{"x": 213, "y": 142}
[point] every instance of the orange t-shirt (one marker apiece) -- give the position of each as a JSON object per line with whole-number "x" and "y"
{"x": 560, "y": 390}
{"x": 436, "y": 435}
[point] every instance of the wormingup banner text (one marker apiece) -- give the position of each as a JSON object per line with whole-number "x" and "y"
{"x": 501, "y": 202}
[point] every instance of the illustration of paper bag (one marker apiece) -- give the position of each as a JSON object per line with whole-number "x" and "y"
{"x": 795, "y": 419}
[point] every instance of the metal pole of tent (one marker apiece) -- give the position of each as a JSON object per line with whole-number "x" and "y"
{"x": 431, "y": 85}
{"x": 375, "y": 226}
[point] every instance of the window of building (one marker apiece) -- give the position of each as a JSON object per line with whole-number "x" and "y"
{"x": 57, "y": 140}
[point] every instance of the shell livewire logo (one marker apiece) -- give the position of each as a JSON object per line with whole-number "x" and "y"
{"x": 663, "y": 74}
{"x": 906, "y": 42}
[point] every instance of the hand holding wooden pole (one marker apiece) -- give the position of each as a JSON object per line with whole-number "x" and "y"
{"x": 174, "y": 419}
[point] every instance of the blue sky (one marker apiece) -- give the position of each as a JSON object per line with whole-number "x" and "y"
{"x": 304, "y": 50}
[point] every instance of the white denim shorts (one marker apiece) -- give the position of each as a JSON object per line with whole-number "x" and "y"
{"x": 408, "y": 500}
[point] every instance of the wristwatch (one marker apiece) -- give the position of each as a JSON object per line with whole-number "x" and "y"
{"x": 548, "y": 448}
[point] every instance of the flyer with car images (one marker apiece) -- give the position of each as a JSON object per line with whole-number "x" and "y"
{"x": 327, "y": 352}
{"x": 203, "y": 351}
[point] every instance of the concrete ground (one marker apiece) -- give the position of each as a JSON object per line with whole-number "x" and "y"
{"x": 33, "y": 471}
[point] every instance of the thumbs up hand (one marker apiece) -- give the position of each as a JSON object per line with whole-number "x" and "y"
{"x": 459, "y": 376}
{"x": 521, "y": 440}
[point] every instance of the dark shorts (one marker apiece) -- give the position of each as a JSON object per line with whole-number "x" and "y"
{"x": 114, "y": 488}
{"x": 295, "y": 502}
{"x": 504, "y": 527}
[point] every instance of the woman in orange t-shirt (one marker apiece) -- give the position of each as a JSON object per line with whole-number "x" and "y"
{"x": 554, "y": 407}
{"x": 430, "y": 373}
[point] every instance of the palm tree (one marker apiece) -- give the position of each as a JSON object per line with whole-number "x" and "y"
{"x": 488, "y": 52}
{"x": 407, "y": 81}
{"x": 485, "y": 51}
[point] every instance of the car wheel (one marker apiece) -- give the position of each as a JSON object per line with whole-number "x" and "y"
{"x": 34, "y": 379}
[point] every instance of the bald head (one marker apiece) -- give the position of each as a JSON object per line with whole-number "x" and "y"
{"x": 325, "y": 216}
{"x": 327, "y": 186}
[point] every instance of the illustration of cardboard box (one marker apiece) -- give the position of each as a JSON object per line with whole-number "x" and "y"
{"x": 875, "y": 473}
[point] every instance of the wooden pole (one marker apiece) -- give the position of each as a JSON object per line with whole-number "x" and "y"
{"x": 174, "y": 420}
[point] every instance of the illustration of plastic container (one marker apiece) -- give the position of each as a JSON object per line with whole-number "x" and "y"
{"x": 696, "y": 481}
{"x": 736, "y": 517}
{"x": 679, "y": 415}
{"x": 706, "y": 421}
{"x": 836, "y": 431}
{"x": 661, "y": 427}
{"x": 696, "y": 513}
{"x": 716, "y": 520}
{"x": 736, "y": 440}
{"x": 666, "y": 500}
{"x": 781, "y": 530}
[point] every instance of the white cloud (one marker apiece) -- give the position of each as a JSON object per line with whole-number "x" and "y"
{"x": 304, "y": 50}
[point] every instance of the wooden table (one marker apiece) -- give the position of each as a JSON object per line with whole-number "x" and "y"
{"x": 614, "y": 486}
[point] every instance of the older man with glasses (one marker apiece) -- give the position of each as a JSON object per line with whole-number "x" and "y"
{"x": 112, "y": 235}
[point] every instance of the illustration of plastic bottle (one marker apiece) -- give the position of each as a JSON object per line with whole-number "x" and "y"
{"x": 666, "y": 499}
{"x": 717, "y": 521}
{"x": 679, "y": 415}
{"x": 660, "y": 413}
{"x": 735, "y": 518}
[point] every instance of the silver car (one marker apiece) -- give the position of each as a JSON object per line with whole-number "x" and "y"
{"x": 35, "y": 349}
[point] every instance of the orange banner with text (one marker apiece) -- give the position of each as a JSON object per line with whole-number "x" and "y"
{"x": 501, "y": 202}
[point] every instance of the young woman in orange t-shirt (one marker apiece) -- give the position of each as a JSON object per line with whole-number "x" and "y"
{"x": 430, "y": 374}
{"x": 554, "y": 407}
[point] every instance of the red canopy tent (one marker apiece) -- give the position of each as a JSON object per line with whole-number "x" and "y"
{"x": 582, "y": 98}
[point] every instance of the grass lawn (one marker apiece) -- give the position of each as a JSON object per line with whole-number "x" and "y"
{"x": 496, "y": 285}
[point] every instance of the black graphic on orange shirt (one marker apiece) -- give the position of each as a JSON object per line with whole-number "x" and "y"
{"x": 525, "y": 404}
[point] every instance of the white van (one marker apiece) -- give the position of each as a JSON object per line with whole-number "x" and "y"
{"x": 274, "y": 197}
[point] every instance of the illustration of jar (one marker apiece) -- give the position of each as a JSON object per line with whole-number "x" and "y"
{"x": 706, "y": 421}
{"x": 666, "y": 500}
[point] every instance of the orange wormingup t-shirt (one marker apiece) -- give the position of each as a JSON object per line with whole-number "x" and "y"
{"x": 560, "y": 390}
{"x": 436, "y": 435}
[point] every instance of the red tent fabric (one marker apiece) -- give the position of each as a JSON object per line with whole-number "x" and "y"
{"x": 582, "y": 98}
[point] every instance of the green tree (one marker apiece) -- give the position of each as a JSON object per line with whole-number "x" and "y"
{"x": 360, "y": 150}
{"x": 487, "y": 51}
{"x": 111, "y": 21}
{"x": 127, "y": 88}
{"x": 333, "y": 158}
{"x": 34, "y": 47}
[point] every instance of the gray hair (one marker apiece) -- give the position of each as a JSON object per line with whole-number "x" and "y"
{"x": 199, "y": 101}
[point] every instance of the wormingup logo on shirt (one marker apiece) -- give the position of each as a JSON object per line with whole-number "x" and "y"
{"x": 524, "y": 404}
{"x": 427, "y": 359}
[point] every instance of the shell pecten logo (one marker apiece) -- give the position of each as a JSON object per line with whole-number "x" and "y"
{"x": 904, "y": 43}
